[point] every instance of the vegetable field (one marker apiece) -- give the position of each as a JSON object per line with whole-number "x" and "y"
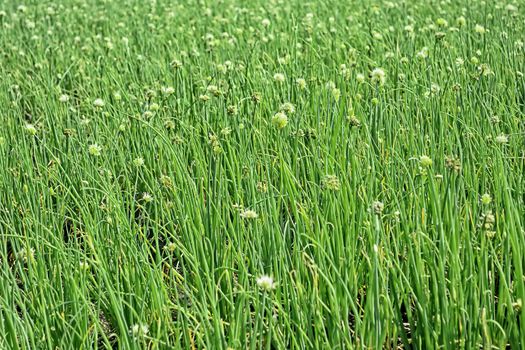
{"x": 262, "y": 174}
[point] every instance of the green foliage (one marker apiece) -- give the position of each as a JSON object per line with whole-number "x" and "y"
{"x": 262, "y": 174}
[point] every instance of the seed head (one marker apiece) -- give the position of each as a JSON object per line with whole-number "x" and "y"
{"x": 352, "y": 119}
{"x": 377, "y": 207}
{"x": 262, "y": 187}
{"x": 331, "y": 182}
{"x": 336, "y": 93}
{"x": 425, "y": 161}
{"x": 165, "y": 180}
{"x": 232, "y": 110}
{"x": 517, "y": 305}
{"x": 171, "y": 247}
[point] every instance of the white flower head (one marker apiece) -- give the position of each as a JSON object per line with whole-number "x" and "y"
{"x": 249, "y": 214}
{"x": 213, "y": 89}
{"x": 301, "y": 83}
{"x": 98, "y": 103}
{"x": 266, "y": 283}
{"x": 139, "y": 330}
{"x": 330, "y": 85}
{"x": 378, "y": 76}
{"x": 26, "y": 254}
{"x": 486, "y": 199}
{"x": 167, "y": 90}
{"x": 278, "y": 77}
{"x": 423, "y": 53}
{"x": 30, "y": 129}
{"x": 94, "y": 150}
{"x": 502, "y": 139}
{"x": 288, "y": 108}
{"x": 146, "y": 197}
{"x": 280, "y": 120}
{"x": 84, "y": 266}
{"x": 138, "y": 162}
{"x": 479, "y": 29}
